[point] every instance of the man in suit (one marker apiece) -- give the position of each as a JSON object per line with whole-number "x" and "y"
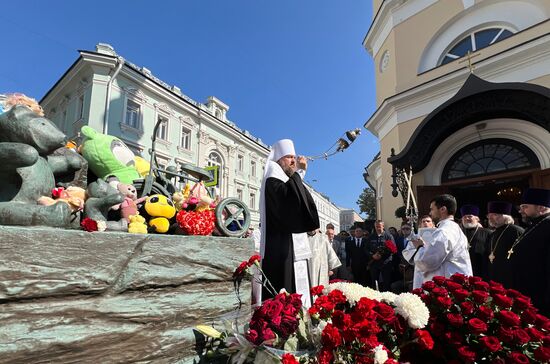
{"x": 356, "y": 257}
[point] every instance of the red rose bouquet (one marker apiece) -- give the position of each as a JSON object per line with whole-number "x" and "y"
{"x": 475, "y": 321}
{"x": 196, "y": 222}
{"x": 360, "y": 325}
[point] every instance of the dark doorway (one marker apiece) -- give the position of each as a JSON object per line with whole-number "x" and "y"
{"x": 481, "y": 192}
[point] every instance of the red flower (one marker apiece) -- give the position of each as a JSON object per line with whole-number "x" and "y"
{"x": 502, "y": 301}
{"x": 542, "y": 354}
{"x": 453, "y": 286}
{"x": 508, "y": 318}
{"x": 428, "y": 286}
{"x": 317, "y": 291}
{"x": 505, "y": 334}
{"x": 196, "y": 222}
{"x": 490, "y": 343}
{"x": 331, "y": 337}
{"x": 459, "y": 278}
{"x": 467, "y": 307}
{"x": 390, "y": 245}
{"x": 455, "y": 319}
{"x": 480, "y": 296}
{"x": 517, "y": 358}
{"x": 521, "y": 337}
{"x": 482, "y": 286}
{"x": 289, "y": 359}
{"x": 440, "y": 291}
{"x": 89, "y": 224}
{"x": 439, "y": 280}
{"x": 385, "y": 313}
{"x": 529, "y": 316}
{"x": 253, "y": 259}
{"x": 444, "y": 302}
{"x": 535, "y": 334}
{"x": 325, "y": 356}
{"x": 461, "y": 294}
{"x": 252, "y": 336}
{"x": 477, "y": 326}
{"x": 241, "y": 269}
{"x": 271, "y": 308}
{"x": 466, "y": 353}
{"x": 522, "y": 303}
{"x": 424, "y": 339}
{"x": 57, "y": 192}
{"x": 485, "y": 313}
{"x": 337, "y": 297}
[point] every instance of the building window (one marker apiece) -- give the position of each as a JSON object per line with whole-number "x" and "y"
{"x": 253, "y": 168}
{"x": 253, "y": 201}
{"x": 240, "y": 194}
{"x": 214, "y": 159}
{"x": 133, "y": 111}
{"x": 162, "y": 132}
{"x": 240, "y": 163}
{"x": 185, "y": 141}
{"x": 475, "y": 41}
{"x": 487, "y": 157}
{"x": 80, "y": 107}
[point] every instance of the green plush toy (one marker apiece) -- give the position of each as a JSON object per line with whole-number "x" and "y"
{"x": 108, "y": 156}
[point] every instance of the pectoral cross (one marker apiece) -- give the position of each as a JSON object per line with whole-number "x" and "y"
{"x": 510, "y": 252}
{"x": 492, "y": 257}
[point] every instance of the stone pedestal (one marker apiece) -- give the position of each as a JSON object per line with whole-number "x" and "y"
{"x": 72, "y": 296}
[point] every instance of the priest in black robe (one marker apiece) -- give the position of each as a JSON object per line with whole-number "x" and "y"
{"x": 286, "y": 207}
{"x": 476, "y": 235}
{"x": 530, "y": 254}
{"x": 499, "y": 269}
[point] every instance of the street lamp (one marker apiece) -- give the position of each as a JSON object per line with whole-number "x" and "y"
{"x": 341, "y": 144}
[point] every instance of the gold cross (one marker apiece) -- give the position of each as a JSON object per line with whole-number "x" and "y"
{"x": 510, "y": 252}
{"x": 469, "y": 57}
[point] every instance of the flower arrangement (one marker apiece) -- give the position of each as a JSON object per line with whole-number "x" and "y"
{"x": 195, "y": 210}
{"x": 347, "y": 323}
{"x": 475, "y": 321}
{"x": 361, "y": 325}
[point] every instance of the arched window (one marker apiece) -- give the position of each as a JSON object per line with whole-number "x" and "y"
{"x": 215, "y": 159}
{"x": 474, "y": 41}
{"x": 488, "y": 157}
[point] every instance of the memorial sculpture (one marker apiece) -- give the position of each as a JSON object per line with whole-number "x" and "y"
{"x": 29, "y": 169}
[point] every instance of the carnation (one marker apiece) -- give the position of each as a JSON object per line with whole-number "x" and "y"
{"x": 412, "y": 309}
{"x": 353, "y": 291}
{"x": 380, "y": 355}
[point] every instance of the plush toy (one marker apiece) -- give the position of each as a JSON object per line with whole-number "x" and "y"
{"x": 108, "y": 156}
{"x": 137, "y": 224}
{"x": 160, "y": 209}
{"x": 75, "y": 197}
{"x": 142, "y": 166}
{"x": 101, "y": 197}
{"x": 200, "y": 197}
{"x": 29, "y": 169}
{"x": 129, "y": 206}
{"x": 10, "y": 100}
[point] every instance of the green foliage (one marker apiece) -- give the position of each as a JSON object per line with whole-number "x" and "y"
{"x": 367, "y": 202}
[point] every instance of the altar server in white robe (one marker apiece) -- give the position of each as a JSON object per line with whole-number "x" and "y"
{"x": 323, "y": 259}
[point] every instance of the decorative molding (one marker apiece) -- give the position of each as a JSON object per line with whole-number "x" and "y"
{"x": 204, "y": 137}
{"x": 125, "y": 128}
{"x": 186, "y": 120}
{"x": 135, "y": 93}
{"x": 164, "y": 108}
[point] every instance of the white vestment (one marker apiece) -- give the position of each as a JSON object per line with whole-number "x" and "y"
{"x": 323, "y": 259}
{"x": 445, "y": 255}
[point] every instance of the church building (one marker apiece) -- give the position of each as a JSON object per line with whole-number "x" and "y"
{"x": 463, "y": 100}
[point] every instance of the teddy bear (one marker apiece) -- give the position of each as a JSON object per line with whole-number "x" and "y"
{"x": 101, "y": 196}
{"x": 73, "y": 196}
{"x": 129, "y": 206}
{"x": 137, "y": 224}
{"x": 29, "y": 169}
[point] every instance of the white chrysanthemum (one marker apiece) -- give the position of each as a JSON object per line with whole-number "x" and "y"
{"x": 101, "y": 225}
{"x": 353, "y": 291}
{"x": 388, "y": 297}
{"x": 380, "y": 355}
{"x": 411, "y": 307}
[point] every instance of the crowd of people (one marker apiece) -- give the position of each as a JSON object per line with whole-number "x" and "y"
{"x": 400, "y": 260}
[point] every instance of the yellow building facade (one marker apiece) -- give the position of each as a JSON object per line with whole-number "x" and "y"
{"x": 463, "y": 100}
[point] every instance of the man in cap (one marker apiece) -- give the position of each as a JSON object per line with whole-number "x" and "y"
{"x": 530, "y": 253}
{"x": 286, "y": 208}
{"x": 499, "y": 268}
{"x": 477, "y": 236}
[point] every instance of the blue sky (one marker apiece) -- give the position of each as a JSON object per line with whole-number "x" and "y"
{"x": 287, "y": 68}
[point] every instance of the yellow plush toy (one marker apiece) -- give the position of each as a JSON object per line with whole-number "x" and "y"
{"x": 161, "y": 209}
{"x": 137, "y": 225}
